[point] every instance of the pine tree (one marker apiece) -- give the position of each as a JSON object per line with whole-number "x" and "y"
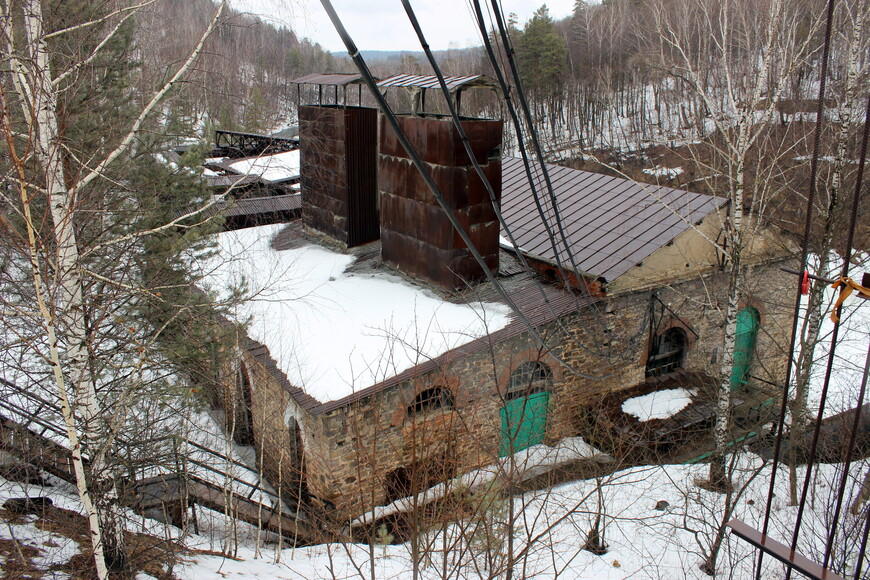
{"x": 541, "y": 54}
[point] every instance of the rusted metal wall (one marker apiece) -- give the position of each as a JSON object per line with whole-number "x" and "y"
{"x": 416, "y": 235}
{"x": 339, "y": 171}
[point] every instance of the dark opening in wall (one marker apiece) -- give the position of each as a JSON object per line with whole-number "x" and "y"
{"x": 419, "y": 476}
{"x": 667, "y": 352}
{"x": 243, "y": 419}
{"x": 430, "y": 400}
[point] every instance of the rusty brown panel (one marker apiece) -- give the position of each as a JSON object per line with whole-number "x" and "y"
{"x": 417, "y": 235}
{"x": 389, "y": 143}
{"x": 339, "y": 171}
{"x": 485, "y": 138}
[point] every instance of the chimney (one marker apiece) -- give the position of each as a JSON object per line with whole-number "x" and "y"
{"x": 339, "y": 163}
{"x": 416, "y": 235}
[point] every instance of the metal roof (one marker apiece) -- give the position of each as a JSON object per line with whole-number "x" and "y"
{"x": 249, "y": 206}
{"x": 332, "y": 79}
{"x": 431, "y": 82}
{"x": 612, "y": 224}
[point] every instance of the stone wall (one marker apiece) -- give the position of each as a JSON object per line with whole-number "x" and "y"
{"x": 605, "y": 347}
{"x": 355, "y": 455}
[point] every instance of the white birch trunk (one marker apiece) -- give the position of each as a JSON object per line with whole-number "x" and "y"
{"x": 108, "y": 535}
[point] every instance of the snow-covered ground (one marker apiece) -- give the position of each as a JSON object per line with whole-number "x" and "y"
{"x": 657, "y": 523}
{"x": 332, "y": 331}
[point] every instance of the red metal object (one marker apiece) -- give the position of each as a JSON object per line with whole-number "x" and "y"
{"x": 805, "y": 283}
{"x": 416, "y": 235}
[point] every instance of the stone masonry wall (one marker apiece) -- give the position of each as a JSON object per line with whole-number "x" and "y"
{"x": 363, "y": 443}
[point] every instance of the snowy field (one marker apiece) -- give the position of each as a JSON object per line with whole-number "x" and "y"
{"x": 645, "y": 537}
{"x": 333, "y": 332}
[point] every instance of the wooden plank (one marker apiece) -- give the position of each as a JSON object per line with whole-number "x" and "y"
{"x": 781, "y": 552}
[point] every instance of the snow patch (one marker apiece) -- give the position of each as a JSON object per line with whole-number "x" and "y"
{"x": 669, "y": 172}
{"x": 658, "y": 404}
{"x": 334, "y": 332}
{"x": 270, "y": 167}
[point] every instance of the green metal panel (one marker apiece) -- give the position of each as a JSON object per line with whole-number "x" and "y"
{"x": 744, "y": 346}
{"x": 523, "y": 422}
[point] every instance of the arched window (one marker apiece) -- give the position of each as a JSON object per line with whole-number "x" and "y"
{"x": 667, "y": 353}
{"x": 744, "y": 346}
{"x": 431, "y": 399}
{"x": 242, "y": 416}
{"x": 529, "y": 378}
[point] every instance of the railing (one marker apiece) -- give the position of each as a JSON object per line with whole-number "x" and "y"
{"x": 190, "y": 486}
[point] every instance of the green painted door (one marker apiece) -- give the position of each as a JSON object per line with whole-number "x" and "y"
{"x": 744, "y": 346}
{"x": 523, "y": 422}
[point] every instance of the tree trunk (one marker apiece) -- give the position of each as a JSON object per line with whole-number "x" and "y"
{"x": 73, "y": 332}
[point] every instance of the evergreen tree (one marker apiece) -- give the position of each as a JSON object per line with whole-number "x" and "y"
{"x": 541, "y": 54}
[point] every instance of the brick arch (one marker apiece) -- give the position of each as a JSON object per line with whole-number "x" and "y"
{"x": 666, "y": 325}
{"x": 409, "y": 392}
{"x": 528, "y": 355}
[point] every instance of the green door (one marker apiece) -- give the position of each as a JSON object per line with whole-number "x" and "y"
{"x": 523, "y": 422}
{"x": 744, "y": 346}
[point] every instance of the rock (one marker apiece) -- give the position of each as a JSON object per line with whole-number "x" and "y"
{"x": 662, "y": 505}
{"x": 27, "y": 505}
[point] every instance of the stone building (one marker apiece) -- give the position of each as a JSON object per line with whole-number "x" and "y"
{"x": 636, "y": 306}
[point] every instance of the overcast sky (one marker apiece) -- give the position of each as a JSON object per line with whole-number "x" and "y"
{"x": 383, "y": 25}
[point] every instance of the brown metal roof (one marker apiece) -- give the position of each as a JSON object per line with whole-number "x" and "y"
{"x": 251, "y": 206}
{"x": 431, "y": 82}
{"x": 612, "y": 224}
{"x": 331, "y": 79}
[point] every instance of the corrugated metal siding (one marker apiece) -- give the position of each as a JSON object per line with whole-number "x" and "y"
{"x": 339, "y": 171}
{"x": 611, "y": 223}
{"x": 328, "y": 79}
{"x": 431, "y": 81}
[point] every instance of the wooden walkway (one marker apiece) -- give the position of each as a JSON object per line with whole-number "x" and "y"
{"x": 33, "y": 437}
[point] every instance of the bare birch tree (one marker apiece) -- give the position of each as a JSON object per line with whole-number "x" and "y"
{"x": 754, "y": 48}
{"x": 53, "y": 177}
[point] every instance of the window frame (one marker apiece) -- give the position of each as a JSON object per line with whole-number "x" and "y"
{"x": 434, "y": 398}
{"x": 660, "y": 362}
{"x": 527, "y": 379}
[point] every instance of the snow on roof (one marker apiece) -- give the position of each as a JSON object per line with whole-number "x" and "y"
{"x": 334, "y": 332}
{"x": 658, "y": 404}
{"x": 277, "y": 167}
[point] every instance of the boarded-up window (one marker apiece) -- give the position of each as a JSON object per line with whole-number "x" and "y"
{"x": 527, "y": 401}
